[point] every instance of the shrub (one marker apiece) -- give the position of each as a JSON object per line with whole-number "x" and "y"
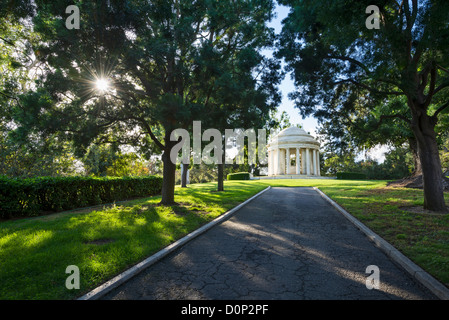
{"x": 34, "y": 196}
{"x": 351, "y": 176}
{"x": 239, "y": 176}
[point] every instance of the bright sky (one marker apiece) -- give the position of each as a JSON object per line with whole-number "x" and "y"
{"x": 309, "y": 124}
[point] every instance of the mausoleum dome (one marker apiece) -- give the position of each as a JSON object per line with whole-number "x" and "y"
{"x": 293, "y": 131}
{"x": 293, "y": 135}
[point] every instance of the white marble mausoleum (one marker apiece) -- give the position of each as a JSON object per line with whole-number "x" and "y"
{"x": 293, "y": 152}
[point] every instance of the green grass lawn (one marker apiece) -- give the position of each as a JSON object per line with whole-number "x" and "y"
{"x": 104, "y": 241}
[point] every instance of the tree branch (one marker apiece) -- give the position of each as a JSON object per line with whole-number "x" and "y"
{"x": 442, "y": 68}
{"x": 424, "y": 74}
{"x": 150, "y": 132}
{"x": 396, "y": 93}
{"x": 377, "y": 125}
{"x": 352, "y": 60}
{"x": 12, "y": 97}
{"x": 410, "y": 16}
{"x": 400, "y": 7}
{"x": 384, "y": 117}
{"x": 8, "y": 42}
{"x": 147, "y": 127}
{"x": 362, "y": 66}
{"x": 444, "y": 106}
{"x": 399, "y": 116}
{"x": 431, "y": 93}
{"x": 440, "y": 87}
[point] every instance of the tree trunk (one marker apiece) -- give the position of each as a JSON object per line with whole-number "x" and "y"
{"x": 220, "y": 177}
{"x": 424, "y": 130}
{"x": 185, "y": 168}
{"x": 220, "y": 167}
{"x": 417, "y": 170}
{"x": 168, "y": 174}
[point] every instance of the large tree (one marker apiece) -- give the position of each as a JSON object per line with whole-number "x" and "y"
{"x": 353, "y": 120}
{"x": 329, "y": 48}
{"x": 23, "y": 152}
{"x": 133, "y": 66}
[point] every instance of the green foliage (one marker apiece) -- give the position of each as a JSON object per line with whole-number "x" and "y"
{"x": 99, "y": 158}
{"x": 41, "y": 157}
{"x": 398, "y": 164}
{"x": 33, "y": 196}
{"x": 279, "y": 121}
{"x": 199, "y": 173}
{"x": 128, "y": 165}
{"x": 168, "y": 63}
{"x": 351, "y": 176}
{"x": 108, "y": 160}
{"x": 202, "y": 173}
{"x": 239, "y": 176}
{"x": 337, "y": 162}
{"x": 187, "y": 58}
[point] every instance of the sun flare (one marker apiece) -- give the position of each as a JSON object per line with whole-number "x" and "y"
{"x": 102, "y": 85}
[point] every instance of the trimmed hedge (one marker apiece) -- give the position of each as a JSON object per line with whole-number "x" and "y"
{"x": 351, "y": 176}
{"x": 34, "y": 196}
{"x": 239, "y": 176}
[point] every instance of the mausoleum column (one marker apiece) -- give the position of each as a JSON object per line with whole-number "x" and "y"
{"x": 269, "y": 162}
{"x": 298, "y": 166}
{"x": 308, "y": 161}
{"x": 268, "y": 168}
{"x": 282, "y": 161}
{"x": 278, "y": 162}
{"x": 314, "y": 161}
{"x": 303, "y": 161}
{"x": 287, "y": 165}
{"x": 276, "y": 167}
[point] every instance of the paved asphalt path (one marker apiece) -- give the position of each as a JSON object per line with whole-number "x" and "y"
{"x": 289, "y": 243}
